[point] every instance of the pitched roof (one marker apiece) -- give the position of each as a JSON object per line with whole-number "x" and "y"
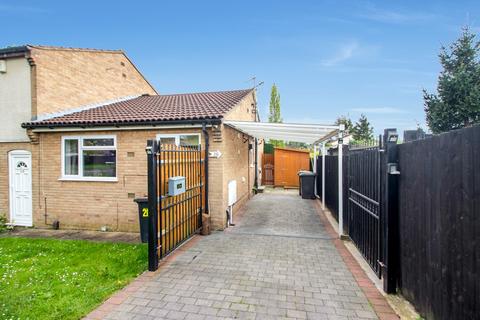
{"x": 27, "y": 47}
{"x": 150, "y": 110}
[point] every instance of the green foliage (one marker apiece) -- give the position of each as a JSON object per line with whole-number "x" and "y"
{"x": 362, "y": 131}
{"x": 457, "y": 102}
{"x": 346, "y": 121}
{"x": 3, "y": 223}
{"x": 275, "y": 113}
{"x": 274, "y": 108}
{"x": 63, "y": 279}
{"x": 277, "y": 143}
{"x": 297, "y": 145}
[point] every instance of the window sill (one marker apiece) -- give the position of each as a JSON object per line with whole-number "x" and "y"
{"x": 88, "y": 179}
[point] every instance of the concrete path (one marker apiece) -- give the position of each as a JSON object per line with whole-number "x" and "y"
{"x": 279, "y": 262}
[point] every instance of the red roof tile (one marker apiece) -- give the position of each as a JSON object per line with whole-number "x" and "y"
{"x": 151, "y": 109}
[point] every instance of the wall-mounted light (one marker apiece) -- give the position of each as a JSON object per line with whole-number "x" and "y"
{"x": 392, "y": 136}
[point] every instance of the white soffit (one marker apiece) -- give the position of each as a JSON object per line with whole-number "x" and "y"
{"x": 295, "y": 132}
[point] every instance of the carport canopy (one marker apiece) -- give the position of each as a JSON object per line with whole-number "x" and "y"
{"x": 294, "y": 132}
{"x": 316, "y": 134}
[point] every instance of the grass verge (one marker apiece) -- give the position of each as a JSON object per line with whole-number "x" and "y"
{"x": 62, "y": 279}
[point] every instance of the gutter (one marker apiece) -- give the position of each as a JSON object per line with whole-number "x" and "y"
{"x": 13, "y": 52}
{"x": 52, "y": 126}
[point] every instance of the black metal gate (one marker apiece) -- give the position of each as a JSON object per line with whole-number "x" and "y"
{"x": 364, "y": 205}
{"x": 173, "y": 217}
{"x": 370, "y": 202}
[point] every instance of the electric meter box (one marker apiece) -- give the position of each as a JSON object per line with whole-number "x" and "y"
{"x": 176, "y": 185}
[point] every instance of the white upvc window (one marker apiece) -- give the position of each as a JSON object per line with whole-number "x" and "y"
{"x": 180, "y": 139}
{"x": 89, "y": 158}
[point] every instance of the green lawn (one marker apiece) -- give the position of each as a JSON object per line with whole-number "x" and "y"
{"x": 62, "y": 279}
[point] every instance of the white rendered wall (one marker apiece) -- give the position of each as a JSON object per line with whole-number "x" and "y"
{"x": 15, "y": 100}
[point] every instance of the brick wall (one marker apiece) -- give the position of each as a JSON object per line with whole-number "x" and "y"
{"x": 233, "y": 165}
{"x": 69, "y": 78}
{"x": 90, "y": 205}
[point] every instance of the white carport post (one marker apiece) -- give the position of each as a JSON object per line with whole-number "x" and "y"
{"x": 306, "y": 133}
{"x": 340, "y": 180}
{"x": 323, "y": 175}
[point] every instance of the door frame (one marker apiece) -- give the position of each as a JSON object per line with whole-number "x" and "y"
{"x": 11, "y": 155}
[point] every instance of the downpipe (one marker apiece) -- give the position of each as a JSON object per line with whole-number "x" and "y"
{"x": 207, "y": 146}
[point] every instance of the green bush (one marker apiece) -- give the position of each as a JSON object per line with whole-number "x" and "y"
{"x": 3, "y": 222}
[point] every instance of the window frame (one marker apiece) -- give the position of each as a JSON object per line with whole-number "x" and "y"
{"x": 176, "y": 136}
{"x": 81, "y": 148}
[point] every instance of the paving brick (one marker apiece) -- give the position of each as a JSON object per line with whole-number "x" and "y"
{"x": 237, "y": 273}
{"x": 296, "y": 314}
{"x": 176, "y": 315}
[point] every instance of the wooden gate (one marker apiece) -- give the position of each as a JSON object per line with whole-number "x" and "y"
{"x": 173, "y": 217}
{"x": 287, "y": 164}
{"x": 268, "y": 170}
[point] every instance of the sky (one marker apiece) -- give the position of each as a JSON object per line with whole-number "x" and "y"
{"x": 327, "y": 58}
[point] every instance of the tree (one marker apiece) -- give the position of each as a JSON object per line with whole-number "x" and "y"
{"x": 346, "y": 121}
{"x": 362, "y": 131}
{"x": 457, "y": 102}
{"x": 274, "y": 113}
{"x": 296, "y": 145}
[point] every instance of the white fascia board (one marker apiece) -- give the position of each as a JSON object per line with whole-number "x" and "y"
{"x": 250, "y": 124}
{"x": 307, "y": 133}
{"x": 292, "y": 131}
{"x": 288, "y": 138}
{"x": 123, "y": 128}
{"x": 316, "y": 135}
{"x": 286, "y": 133}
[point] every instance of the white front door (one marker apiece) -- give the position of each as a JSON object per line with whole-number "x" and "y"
{"x": 20, "y": 172}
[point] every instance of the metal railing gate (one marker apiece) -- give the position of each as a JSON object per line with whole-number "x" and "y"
{"x": 364, "y": 205}
{"x": 173, "y": 218}
{"x": 370, "y": 189}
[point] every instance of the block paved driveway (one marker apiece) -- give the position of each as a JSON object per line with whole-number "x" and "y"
{"x": 277, "y": 263}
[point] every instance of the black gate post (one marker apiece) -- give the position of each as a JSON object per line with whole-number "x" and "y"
{"x": 151, "y": 149}
{"x": 391, "y": 244}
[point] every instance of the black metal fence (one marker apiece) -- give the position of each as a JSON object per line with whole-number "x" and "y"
{"x": 414, "y": 213}
{"x": 331, "y": 182}
{"x": 361, "y": 203}
{"x": 363, "y": 209}
{"x": 439, "y": 224}
{"x": 174, "y": 215}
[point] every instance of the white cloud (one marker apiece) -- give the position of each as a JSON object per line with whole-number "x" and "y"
{"x": 346, "y": 52}
{"x": 387, "y": 16}
{"x": 382, "y": 110}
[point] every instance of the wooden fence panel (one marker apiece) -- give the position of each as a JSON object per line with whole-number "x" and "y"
{"x": 287, "y": 164}
{"x": 268, "y": 169}
{"x": 439, "y": 224}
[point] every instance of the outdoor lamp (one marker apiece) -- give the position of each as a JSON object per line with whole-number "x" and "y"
{"x": 392, "y": 136}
